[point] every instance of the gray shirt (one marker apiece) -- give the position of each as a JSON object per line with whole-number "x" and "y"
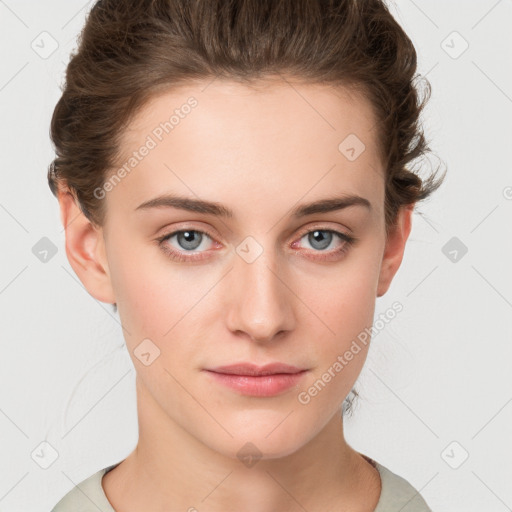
{"x": 397, "y": 494}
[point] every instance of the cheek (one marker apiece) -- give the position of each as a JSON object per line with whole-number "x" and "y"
{"x": 160, "y": 302}
{"x": 347, "y": 310}
{"x": 343, "y": 297}
{"x": 146, "y": 290}
{"x": 344, "y": 307}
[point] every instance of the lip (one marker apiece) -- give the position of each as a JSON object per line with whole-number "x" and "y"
{"x": 264, "y": 381}
{"x": 255, "y": 370}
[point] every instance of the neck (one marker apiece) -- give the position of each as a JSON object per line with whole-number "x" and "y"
{"x": 170, "y": 469}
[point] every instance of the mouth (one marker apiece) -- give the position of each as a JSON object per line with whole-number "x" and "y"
{"x": 263, "y": 381}
{"x": 254, "y": 370}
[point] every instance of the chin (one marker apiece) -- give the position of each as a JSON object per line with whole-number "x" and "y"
{"x": 265, "y": 439}
{"x": 250, "y": 450}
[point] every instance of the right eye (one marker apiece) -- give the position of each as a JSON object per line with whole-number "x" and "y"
{"x": 187, "y": 240}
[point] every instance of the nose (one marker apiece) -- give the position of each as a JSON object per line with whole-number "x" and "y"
{"x": 261, "y": 303}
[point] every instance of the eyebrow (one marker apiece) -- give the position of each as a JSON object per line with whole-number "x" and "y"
{"x": 219, "y": 210}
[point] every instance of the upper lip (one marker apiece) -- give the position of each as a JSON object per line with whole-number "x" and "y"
{"x": 252, "y": 369}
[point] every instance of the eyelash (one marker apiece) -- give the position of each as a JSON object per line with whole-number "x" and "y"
{"x": 178, "y": 256}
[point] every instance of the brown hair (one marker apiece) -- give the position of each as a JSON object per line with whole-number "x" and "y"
{"x": 130, "y": 50}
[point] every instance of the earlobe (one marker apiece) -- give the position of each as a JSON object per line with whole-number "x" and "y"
{"x": 395, "y": 248}
{"x": 85, "y": 249}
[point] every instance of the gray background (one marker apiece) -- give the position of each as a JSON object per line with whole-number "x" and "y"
{"x": 437, "y": 385}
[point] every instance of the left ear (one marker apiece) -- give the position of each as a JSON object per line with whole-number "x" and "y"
{"x": 395, "y": 248}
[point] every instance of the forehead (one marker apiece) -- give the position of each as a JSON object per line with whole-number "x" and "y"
{"x": 267, "y": 105}
{"x": 271, "y": 137}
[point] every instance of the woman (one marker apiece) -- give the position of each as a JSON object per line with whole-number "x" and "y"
{"x": 232, "y": 176}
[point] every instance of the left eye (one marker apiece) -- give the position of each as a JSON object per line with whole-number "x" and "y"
{"x": 321, "y": 239}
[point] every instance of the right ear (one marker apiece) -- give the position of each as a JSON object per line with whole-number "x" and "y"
{"x": 85, "y": 249}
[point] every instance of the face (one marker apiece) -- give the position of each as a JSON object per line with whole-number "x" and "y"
{"x": 253, "y": 276}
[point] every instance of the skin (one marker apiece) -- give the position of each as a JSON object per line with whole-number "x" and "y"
{"x": 259, "y": 151}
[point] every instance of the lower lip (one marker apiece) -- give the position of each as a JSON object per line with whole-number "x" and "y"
{"x": 263, "y": 385}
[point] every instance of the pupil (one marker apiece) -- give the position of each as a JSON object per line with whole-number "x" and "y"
{"x": 187, "y": 238}
{"x": 320, "y": 237}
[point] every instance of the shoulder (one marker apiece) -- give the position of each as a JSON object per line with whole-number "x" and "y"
{"x": 398, "y": 494}
{"x": 87, "y": 496}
